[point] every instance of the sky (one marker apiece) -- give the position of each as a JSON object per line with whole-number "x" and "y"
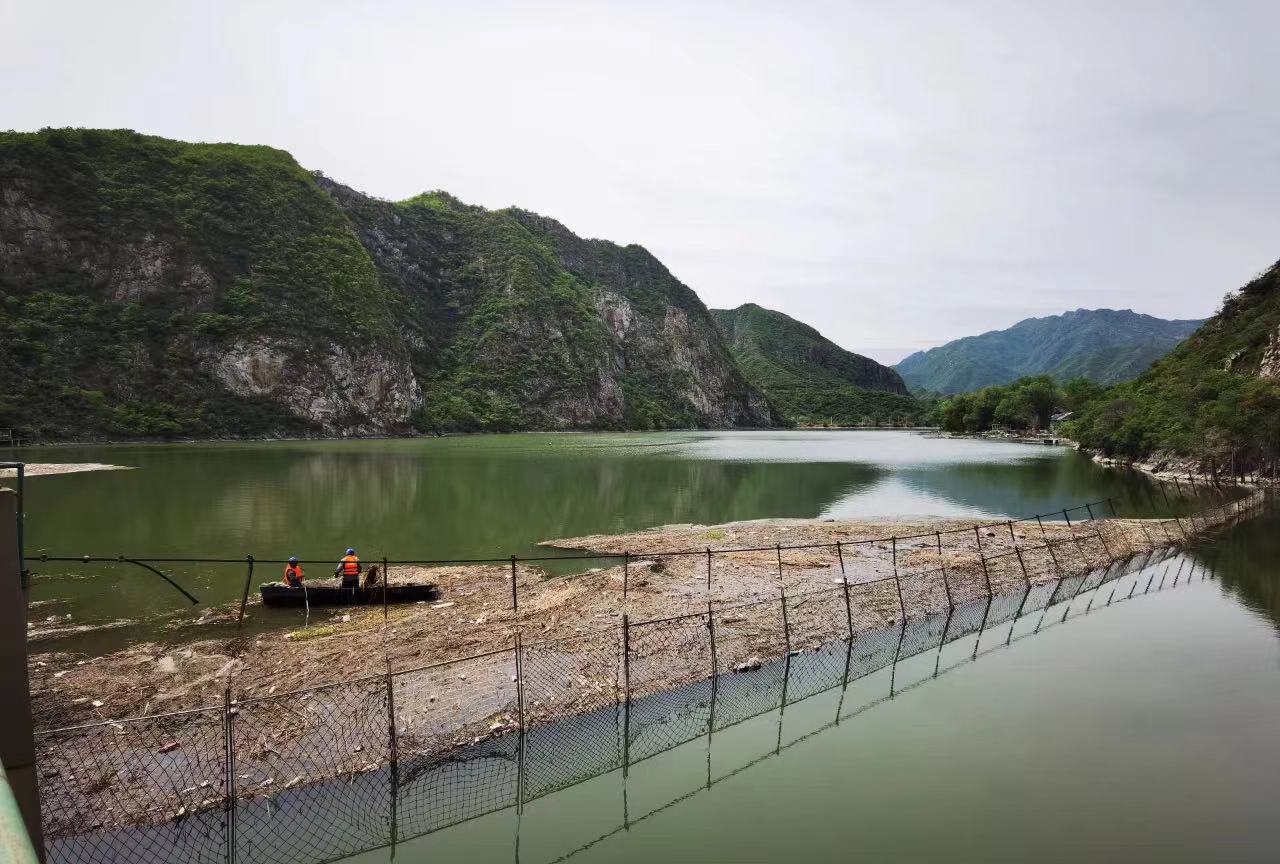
{"x": 895, "y": 174}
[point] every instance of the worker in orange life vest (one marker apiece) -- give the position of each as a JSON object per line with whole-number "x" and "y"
{"x": 349, "y": 569}
{"x": 293, "y": 574}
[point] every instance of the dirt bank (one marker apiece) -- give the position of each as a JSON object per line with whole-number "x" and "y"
{"x": 937, "y": 562}
{"x": 45, "y": 469}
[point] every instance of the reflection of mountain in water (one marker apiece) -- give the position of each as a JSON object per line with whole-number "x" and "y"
{"x": 1041, "y": 485}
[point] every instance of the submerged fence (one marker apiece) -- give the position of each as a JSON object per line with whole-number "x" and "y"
{"x": 324, "y": 772}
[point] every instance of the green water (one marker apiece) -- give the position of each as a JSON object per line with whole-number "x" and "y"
{"x": 493, "y": 496}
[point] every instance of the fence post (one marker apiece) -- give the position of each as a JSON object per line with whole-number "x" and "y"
{"x": 844, "y": 582}
{"x": 715, "y": 679}
{"x": 626, "y": 574}
{"x": 1084, "y": 559}
{"x": 395, "y": 750}
{"x": 386, "y": 577}
{"x": 942, "y": 562}
{"x": 1098, "y": 531}
{"x": 897, "y": 583}
{"x": 782, "y": 594}
{"x": 985, "y": 612}
{"x": 515, "y": 601}
{"x": 244, "y": 597}
{"x": 708, "y": 580}
{"x": 1025, "y": 577}
{"x": 626, "y": 686}
{"x": 520, "y": 718}
{"x": 229, "y": 791}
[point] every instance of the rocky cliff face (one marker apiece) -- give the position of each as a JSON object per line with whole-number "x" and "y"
{"x": 152, "y": 287}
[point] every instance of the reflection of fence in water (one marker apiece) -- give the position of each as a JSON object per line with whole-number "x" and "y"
{"x": 848, "y": 709}
{"x": 419, "y": 750}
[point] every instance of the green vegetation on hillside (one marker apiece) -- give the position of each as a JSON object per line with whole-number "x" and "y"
{"x": 811, "y": 379}
{"x": 156, "y": 288}
{"x": 93, "y": 343}
{"x": 1102, "y": 345}
{"x": 1215, "y": 398}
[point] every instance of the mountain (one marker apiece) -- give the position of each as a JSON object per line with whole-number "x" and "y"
{"x": 1103, "y": 345}
{"x": 812, "y": 379}
{"x": 159, "y": 288}
{"x": 1214, "y": 400}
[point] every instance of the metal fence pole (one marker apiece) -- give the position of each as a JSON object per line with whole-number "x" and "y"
{"x": 782, "y": 594}
{"x": 521, "y": 736}
{"x": 942, "y": 562}
{"x": 983, "y": 626}
{"x": 986, "y": 575}
{"x": 708, "y": 580}
{"x": 515, "y": 601}
{"x": 897, "y": 583}
{"x": 229, "y": 790}
{"x": 626, "y": 574}
{"x": 626, "y": 685}
{"x": 386, "y": 578}
{"x": 844, "y": 582}
{"x": 1084, "y": 559}
{"x": 244, "y": 597}
{"x": 1098, "y": 531}
{"x": 395, "y": 751}
{"x": 715, "y": 680}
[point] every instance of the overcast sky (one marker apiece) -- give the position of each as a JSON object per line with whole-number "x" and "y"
{"x": 895, "y": 174}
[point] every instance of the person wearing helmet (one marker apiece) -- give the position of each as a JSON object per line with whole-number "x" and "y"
{"x": 293, "y": 574}
{"x": 349, "y": 569}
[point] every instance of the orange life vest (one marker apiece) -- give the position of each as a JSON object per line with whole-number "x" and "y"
{"x": 350, "y": 565}
{"x": 293, "y": 575}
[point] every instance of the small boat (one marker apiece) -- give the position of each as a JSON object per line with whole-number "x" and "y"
{"x": 278, "y": 594}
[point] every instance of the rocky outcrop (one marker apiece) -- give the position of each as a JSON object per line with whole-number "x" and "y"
{"x": 511, "y": 313}
{"x": 1269, "y": 365}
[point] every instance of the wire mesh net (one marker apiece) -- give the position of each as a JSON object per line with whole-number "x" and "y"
{"x": 750, "y": 661}
{"x": 310, "y": 773}
{"x": 873, "y": 650}
{"x": 152, "y": 789}
{"x": 670, "y": 670}
{"x": 457, "y": 740}
{"x": 579, "y": 678}
{"x": 923, "y": 634}
{"x": 819, "y": 624}
{"x": 924, "y": 591}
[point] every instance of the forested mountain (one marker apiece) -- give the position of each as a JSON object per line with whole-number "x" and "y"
{"x": 1214, "y": 398}
{"x": 153, "y": 287}
{"x": 1104, "y": 345}
{"x": 812, "y": 379}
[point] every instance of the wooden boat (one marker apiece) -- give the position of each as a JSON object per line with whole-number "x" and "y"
{"x": 278, "y": 594}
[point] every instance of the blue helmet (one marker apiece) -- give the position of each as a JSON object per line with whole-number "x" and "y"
{"x": 293, "y": 559}
{"x": 351, "y": 551}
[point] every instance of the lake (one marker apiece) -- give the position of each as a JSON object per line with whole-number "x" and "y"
{"x": 1135, "y": 725}
{"x": 493, "y": 496}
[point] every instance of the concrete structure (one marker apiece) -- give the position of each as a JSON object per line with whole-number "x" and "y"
{"x": 17, "y": 745}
